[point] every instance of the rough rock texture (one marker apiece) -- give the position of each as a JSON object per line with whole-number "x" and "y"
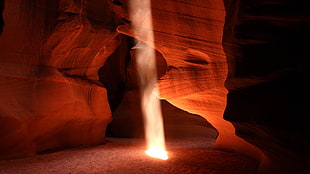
{"x": 267, "y": 52}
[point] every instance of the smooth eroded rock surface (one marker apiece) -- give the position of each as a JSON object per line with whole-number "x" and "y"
{"x": 267, "y": 54}
{"x": 51, "y": 97}
{"x": 67, "y": 65}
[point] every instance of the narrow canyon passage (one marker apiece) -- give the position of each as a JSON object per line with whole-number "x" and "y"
{"x": 68, "y": 90}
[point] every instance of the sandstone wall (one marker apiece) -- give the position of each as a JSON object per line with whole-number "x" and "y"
{"x": 50, "y": 54}
{"x": 266, "y": 47}
{"x": 65, "y": 65}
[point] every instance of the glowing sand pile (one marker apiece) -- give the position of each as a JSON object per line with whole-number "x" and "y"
{"x": 140, "y": 11}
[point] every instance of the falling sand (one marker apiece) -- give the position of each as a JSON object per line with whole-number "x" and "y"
{"x": 140, "y": 11}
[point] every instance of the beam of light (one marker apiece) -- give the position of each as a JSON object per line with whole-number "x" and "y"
{"x": 141, "y": 18}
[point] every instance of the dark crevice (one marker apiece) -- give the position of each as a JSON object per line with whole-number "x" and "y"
{"x": 113, "y": 74}
{"x": 117, "y": 2}
{"x": 197, "y": 61}
{"x": 125, "y": 21}
{"x": 71, "y": 13}
{"x": 119, "y": 73}
{"x": 1, "y": 15}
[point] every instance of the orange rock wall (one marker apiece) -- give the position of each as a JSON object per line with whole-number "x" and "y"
{"x": 64, "y": 66}
{"x": 51, "y": 97}
{"x": 51, "y": 53}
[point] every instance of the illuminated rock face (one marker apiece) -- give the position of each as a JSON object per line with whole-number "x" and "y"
{"x": 189, "y": 36}
{"x": 65, "y": 65}
{"x": 128, "y": 121}
{"x": 51, "y": 53}
{"x": 51, "y": 96}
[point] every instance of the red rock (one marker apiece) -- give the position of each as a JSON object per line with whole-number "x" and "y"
{"x": 65, "y": 67}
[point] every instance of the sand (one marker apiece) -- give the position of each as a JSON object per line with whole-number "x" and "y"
{"x": 126, "y": 156}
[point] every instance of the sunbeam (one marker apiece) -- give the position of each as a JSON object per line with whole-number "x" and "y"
{"x": 141, "y": 16}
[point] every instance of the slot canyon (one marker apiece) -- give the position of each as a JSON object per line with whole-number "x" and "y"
{"x": 232, "y": 80}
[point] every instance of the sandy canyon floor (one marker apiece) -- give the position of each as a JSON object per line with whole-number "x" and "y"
{"x": 126, "y": 156}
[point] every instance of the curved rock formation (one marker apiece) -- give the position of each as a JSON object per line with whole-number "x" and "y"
{"x": 51, "y": 96}
{"x": 65, "y": 67}
{"x": 189, "y": 37}
{"x": 268, "y": 66}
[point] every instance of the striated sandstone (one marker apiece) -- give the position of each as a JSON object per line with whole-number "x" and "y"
{"x": 67, "y": 66}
